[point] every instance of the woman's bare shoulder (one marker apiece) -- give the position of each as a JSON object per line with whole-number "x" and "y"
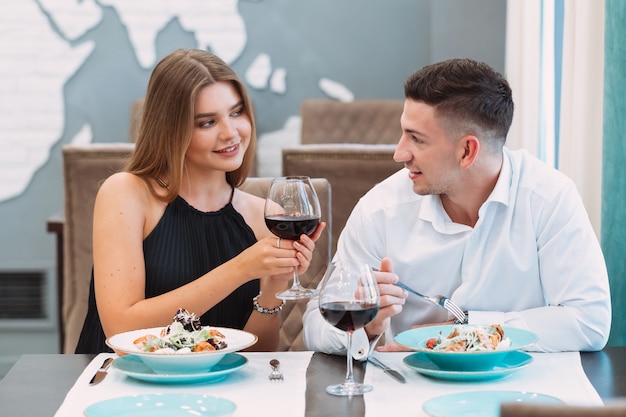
{"x": 123, "y": 182}
{"x": 123, "y": 188}
{"x": 127, "y": 196}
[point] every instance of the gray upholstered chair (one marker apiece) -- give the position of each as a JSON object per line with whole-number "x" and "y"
{"x": 85, "y": 167}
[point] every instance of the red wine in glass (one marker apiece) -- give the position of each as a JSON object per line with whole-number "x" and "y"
{"x": 291, "y": 227}
{"x": 348, "y": 300}
{"x": 291, "y": 210}
{"x": 348, "y": 316}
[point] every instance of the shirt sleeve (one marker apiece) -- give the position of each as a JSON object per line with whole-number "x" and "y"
{"x": 577, "y": 315}
{"x": 577, "y": 311}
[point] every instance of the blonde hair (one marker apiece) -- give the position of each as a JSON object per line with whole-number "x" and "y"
{"x": 167, "y": 121}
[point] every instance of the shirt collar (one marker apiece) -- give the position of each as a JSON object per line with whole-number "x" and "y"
{"x": 432, "y": 211}
{"x": 502, "y": 191}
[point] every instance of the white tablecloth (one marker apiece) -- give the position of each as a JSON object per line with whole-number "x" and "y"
{"x": 557, "y": 374}
{"x": 249, "y": 387}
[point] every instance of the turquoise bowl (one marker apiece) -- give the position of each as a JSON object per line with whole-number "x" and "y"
{"x": 415, "y": 339}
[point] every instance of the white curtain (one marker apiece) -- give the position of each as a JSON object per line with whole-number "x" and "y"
{"x": 530, "y": 63}
{"x": 523, "y": 44}
{"x": 580, "y": 155}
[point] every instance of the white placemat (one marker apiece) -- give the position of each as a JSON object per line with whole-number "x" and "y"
{"x": 249, "y": 387}
{"x": 557, "y": 374}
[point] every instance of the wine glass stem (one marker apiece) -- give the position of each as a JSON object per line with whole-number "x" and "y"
{"x": 349, "y": 374}
{"x": 296, "y": 279}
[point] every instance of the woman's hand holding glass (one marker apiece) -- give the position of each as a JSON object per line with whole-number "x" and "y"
{"x": 292, "y": 209}
{"x": 265, "y": 259}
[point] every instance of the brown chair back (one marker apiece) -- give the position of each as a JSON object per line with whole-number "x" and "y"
{"x": 359, "y": 121}
{"x": 351, "y": 169}
{"x": 136, "y": 111}
{"x": 84, "y": 169}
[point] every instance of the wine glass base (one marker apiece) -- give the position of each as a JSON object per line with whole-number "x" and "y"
{"x": 348, "y": 390}
{"x": 296, "y": 293}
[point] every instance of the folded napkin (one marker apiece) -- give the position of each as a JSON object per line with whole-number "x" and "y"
{"x": 557, "y": 374}
{"x": 249, "y": 387}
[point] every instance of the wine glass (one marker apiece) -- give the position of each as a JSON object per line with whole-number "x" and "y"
{"x": 292, "y": 209}
{"x": 348, "y": 300}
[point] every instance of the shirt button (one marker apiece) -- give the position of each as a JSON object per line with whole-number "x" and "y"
{"x": 361, "y": 351}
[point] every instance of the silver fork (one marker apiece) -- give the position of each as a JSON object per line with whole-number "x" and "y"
{"x": 276, "y": 374}
{"x": 440, "y": 300}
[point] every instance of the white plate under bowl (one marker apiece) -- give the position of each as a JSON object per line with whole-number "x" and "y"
{"x": 176, "y": 363}
{"x": 481, "y": 403}
{"x": 162, "y": 405}
{"x": 416, "y": 339}
{"x": 134, "y": 368}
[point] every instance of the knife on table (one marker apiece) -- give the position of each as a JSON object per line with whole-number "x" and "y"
{"x": 391, "y": 372}
{"x": 102, "y": 372}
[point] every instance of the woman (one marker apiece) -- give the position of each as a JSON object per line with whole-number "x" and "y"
{"x": 172, "y": 230}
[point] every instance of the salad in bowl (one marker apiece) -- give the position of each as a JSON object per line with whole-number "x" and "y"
{"x": 184, "y": 346}
{"x": 466, "y": 347}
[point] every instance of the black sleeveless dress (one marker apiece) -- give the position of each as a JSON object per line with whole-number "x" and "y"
{"x": 186, "y": 244}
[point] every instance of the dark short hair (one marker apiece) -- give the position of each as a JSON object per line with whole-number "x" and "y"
{"x": 468, "y": 95}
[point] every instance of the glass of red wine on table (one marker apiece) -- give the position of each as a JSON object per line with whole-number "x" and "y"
{"x": 292, "y": 209}
{"x": 348, "y": 300}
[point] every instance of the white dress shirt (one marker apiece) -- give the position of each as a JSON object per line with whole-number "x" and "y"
{"x": 532, "y": 260}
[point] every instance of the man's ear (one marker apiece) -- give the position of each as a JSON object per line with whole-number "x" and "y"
{"x": 469, "y": 147}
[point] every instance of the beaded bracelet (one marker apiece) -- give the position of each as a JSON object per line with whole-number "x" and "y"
{"x": 263, "y": 310}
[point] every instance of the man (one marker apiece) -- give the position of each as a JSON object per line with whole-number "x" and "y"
{"x": 506, "y": 237}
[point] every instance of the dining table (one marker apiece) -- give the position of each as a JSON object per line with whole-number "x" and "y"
{"x": 58, "y": 384}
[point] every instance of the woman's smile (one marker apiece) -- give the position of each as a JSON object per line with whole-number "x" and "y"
{"x": 229, "y": 151}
